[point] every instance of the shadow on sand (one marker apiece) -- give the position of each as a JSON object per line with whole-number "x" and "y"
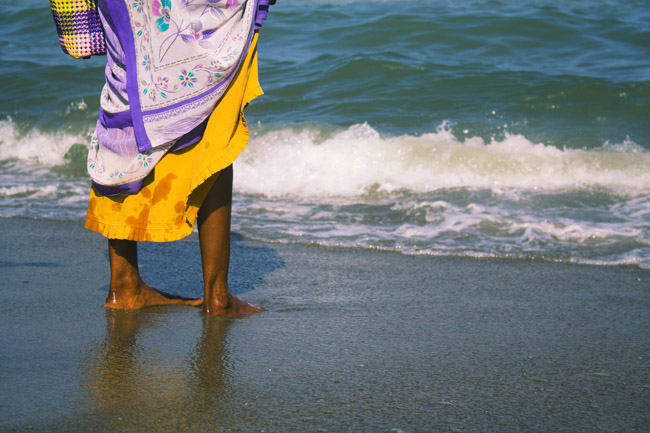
{"x": 175, "y": 267}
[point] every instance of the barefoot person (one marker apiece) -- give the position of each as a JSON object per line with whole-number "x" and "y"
{"x": 178, "y": 76}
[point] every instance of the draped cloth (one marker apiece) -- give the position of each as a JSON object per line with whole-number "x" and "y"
{"x": 168, "y": 64}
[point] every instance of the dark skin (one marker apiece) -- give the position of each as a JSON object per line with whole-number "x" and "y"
{"x": 127, "y": 290}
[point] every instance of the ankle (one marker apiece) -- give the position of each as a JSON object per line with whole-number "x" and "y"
{"x": 126, "y": 285}
{"x": 216, "y": 303}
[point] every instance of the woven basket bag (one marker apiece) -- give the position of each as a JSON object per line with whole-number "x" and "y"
{"x": 80, "y": 30}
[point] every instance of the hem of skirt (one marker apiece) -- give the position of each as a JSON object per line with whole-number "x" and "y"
{"x": 138, "y": 234}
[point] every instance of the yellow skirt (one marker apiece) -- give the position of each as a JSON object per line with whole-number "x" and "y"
{"x": 166, "y": 208}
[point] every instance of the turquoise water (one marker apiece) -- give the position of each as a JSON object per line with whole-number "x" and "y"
{"x": 472, "y": 128}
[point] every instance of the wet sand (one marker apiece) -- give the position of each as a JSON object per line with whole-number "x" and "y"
{"x": 354, "y": 341}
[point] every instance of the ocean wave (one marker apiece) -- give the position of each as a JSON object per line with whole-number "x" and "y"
{"x": 358, "y": 161}
{"x": 44, "y": 149}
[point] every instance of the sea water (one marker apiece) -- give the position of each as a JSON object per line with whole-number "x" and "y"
{"x": 510, "y": 129}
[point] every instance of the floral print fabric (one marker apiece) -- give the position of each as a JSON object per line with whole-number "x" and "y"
{"x": 169, "y": 62}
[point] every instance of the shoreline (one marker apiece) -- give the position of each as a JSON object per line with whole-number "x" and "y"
{"x": 354, "y": 340}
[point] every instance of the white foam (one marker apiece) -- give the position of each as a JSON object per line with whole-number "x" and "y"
{"x": 46, "y": 149}
{"x": 358, "y": 161}
{"x": 567, "y": 230}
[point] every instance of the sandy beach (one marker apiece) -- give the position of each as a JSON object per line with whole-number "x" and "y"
{"x": 353, "y": 341}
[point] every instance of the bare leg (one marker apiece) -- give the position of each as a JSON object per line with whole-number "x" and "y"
{"x": 214, "y": 238}
{"x": 127, "y": 291}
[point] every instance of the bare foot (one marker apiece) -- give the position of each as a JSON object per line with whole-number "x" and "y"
{"x": 146, "y": 296}
{"x": 228, "y": 305}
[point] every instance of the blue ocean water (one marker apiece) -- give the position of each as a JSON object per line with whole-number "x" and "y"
{"x": 478, "y": 128}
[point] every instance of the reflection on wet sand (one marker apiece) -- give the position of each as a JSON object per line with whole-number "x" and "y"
{"x": 131, "y": 388}
{"x": 211, "y": 368}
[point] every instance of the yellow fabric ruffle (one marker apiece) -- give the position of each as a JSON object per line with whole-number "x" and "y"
{"x": 166, "y": 208}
